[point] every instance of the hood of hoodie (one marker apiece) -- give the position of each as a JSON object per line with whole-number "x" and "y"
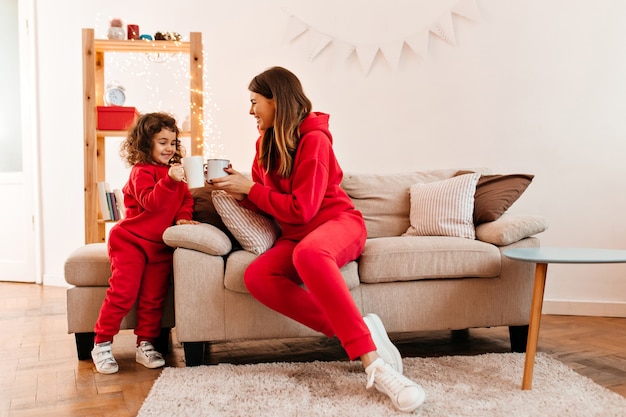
{"x": 316, "y": 121}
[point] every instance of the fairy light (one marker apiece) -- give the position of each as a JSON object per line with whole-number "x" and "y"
{"x": 151, "y": 85}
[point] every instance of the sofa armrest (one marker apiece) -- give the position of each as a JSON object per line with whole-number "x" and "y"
{"x": 200, "y": 237}
{"x": 510, "y": 228}
{"x": 199, "y": 303}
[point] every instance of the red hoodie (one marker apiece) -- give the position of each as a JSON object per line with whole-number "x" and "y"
{"x": 154, "y": 201}
{"x": 311, "y": 195}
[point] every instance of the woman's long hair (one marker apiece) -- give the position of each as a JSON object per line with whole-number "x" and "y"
{"x": 279, "y": 144}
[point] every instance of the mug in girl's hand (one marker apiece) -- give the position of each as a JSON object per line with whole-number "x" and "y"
{"x": 193, "y": 171}
{"x": 215, "y": 168}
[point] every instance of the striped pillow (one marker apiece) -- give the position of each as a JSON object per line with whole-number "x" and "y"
{"x": 254, "y": 232}
{"x": 444, "y": 208}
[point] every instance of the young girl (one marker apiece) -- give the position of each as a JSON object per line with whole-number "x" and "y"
{"x": 155, "y": 197}
{"x": 296, "y": 179}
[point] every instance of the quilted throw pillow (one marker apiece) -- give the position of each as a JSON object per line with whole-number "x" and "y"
{"x": 254, "y": 232}
{"x": 443, "y": 208}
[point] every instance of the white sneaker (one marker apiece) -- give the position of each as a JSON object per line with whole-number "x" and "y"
{"x": 148, "y": 356}
{"x": 103, "y": 358}
{"x": 385, "y": 349}
{"x": 405, "y": 394}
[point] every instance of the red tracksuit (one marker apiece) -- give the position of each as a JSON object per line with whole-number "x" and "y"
{"x": 141, "y": 263}
{"x": 321, "y": 232}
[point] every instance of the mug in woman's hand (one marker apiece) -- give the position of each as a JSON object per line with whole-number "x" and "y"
{"x": 215, "y": 168}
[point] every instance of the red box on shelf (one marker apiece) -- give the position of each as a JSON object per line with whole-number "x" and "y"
{"x": 116, "y": 117}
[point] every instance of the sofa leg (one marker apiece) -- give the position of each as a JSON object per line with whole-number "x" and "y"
{"x": 84, "y": 344}
{"x": 194, "y": 353}
{"x": 162, "y": 343}
{"x": 461, "y": 335}
{"x": 519, "y": 337}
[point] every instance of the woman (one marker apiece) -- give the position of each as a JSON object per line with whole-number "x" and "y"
{"x": 296, "y": 180}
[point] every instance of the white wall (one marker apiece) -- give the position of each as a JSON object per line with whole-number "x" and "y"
{"x": 534, "y": 87}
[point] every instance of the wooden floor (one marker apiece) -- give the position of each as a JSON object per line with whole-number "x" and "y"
{"x": 41, "y": 376}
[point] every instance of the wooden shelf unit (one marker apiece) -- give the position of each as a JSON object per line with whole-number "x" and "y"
{"x": 93, "y": 96}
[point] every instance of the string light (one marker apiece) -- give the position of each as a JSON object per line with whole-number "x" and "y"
{"x": 160, "y": 82}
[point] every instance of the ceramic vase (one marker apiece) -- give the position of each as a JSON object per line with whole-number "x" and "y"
{"x": 115, "y": 32}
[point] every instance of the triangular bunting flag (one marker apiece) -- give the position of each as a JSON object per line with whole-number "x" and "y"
{"x": 318, "y": 41}
{"x": 418, "y": 42}
{"x": 467, "y": 9}
{"x": 444, "y": 28}
{"x": 341, "y": 50}
{"x": 392, "y": 52}
{"x": 295, "y": 28}
{"x": 366, "y": 55}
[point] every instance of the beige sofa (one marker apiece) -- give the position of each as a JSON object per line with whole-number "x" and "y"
{"x": 413, "y": 283}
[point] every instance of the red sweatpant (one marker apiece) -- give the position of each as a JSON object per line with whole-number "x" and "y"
{"x": 324, "y": 303}
{"x": 140, "y": 272}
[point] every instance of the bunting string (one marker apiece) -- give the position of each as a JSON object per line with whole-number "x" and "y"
{"x": 317, "y": 41}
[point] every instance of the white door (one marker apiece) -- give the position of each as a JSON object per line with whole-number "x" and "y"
{"x": 17, "y": 247}
{"x": 19, "y": 256}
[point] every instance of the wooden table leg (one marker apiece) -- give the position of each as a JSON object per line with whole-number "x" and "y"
{"x": 533, "y": 328}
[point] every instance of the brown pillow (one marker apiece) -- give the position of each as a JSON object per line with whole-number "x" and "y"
{"x": 204, "y": 210}
{"x": 495, "y": 194}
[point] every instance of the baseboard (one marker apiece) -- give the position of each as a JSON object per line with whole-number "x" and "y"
{"x": 54, "y": 281}
{"x": 585, "y": 308}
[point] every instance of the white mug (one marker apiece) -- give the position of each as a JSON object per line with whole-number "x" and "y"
{"x": 194, "y": 175}
{"x": 215, "y": 168}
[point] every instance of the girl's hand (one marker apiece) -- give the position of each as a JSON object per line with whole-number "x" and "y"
{"x": 176, "y": 172}
{"x": 235, "y": 184}
{"x": 183, "y": 221}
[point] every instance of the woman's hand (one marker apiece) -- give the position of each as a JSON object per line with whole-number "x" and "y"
{"x": 235, "y": 183}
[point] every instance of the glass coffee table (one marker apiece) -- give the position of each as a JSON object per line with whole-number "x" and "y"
{"x": 542, "y": 257}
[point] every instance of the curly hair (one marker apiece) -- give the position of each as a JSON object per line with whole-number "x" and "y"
{"x": 279, "y": 143}
{"x": 138, "y": 144}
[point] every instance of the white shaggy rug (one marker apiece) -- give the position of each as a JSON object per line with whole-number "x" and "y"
{"x": 477, "y": 386}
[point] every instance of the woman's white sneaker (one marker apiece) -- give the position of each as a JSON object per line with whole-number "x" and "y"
{"x": 385, "y": 349}
{"x": 405, "y": 394}
{"x": 103, "y": 358}
{"x": 148, "y": 356}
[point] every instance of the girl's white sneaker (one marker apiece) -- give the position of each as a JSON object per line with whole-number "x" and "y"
{"x": 103, "y": 358}
{"x": 148, "y": 356}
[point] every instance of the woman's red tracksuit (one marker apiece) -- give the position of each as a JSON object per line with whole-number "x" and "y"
{"x": 141, "y": 263}
{"x": 321, "y": 232}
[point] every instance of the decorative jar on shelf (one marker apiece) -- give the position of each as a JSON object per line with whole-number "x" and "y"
{"x": 116, "y": 30}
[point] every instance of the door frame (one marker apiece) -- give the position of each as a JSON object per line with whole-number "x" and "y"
{"x": 29, "y": 91}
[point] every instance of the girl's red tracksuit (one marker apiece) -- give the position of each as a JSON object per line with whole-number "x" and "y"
{"x": 321, "y": 232}
{"x": 141, "y": 263}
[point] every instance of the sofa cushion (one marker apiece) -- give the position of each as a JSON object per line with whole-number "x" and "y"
{"x": 384, "y": 199}
{"x": 411, "y": 258}
{"x": 88, "y": 266}
{"x": 510, "y": 228}
{"x": 238, "y": 261}
{"x": 443, "y": 208}
{"x": 254, "y": 232}
{"x": 201, "y": 237}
